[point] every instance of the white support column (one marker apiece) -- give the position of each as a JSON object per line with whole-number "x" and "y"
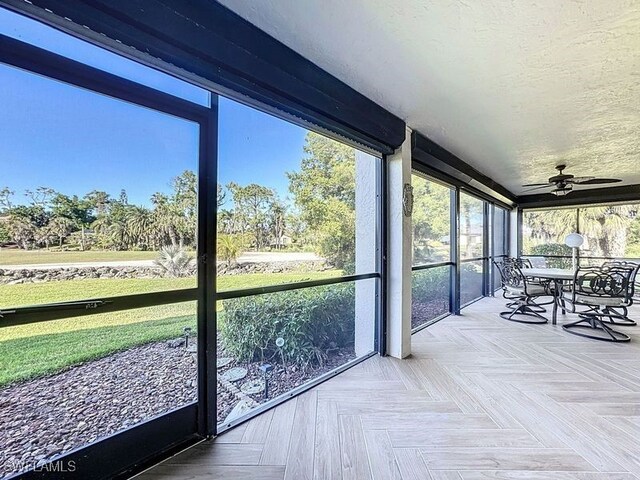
{"x": 513, "y": 233}
{"x": 366, "y": 251}
{"x": 399, "y": 254}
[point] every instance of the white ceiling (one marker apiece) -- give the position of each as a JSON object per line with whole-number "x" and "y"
{"x": 511, "y": 87}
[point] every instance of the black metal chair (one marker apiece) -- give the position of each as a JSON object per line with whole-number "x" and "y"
{"x": 520, "y": 262}
{"x": 598, "y": 293}
{"x": 623, "y": 311}
{"x": 522, "y": 293}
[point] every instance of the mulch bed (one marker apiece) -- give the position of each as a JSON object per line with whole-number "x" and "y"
{"x": 46, "y": 417}
{"x": 422, "y": 312}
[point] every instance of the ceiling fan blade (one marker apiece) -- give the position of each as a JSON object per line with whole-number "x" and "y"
{"x": 537, "y": 185}
{"x": 580, "y": 179}
{"x": 546, "y": 185}
{"x": 598, "y": 181}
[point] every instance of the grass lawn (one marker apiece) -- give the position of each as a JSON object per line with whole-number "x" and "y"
{"x": 36, "y": 349}
{"x": 29, "y": 257}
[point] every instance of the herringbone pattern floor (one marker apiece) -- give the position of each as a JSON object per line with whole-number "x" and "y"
{"x": 481, "y": 398}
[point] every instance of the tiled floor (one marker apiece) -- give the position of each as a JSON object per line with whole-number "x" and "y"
{"x": 480, "y": 398}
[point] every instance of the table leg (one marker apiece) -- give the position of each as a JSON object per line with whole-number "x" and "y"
{"x": 556, "y": 300}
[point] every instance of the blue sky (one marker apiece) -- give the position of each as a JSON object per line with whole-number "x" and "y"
{"x": 75, "y": 141}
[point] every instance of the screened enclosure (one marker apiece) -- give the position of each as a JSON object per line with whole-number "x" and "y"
{"x": 456, "y": 237}
{"x": 610, "y": 232}
{"x": 172, "y": 261}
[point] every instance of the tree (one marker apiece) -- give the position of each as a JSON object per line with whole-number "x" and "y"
{"x": 40, "y": 196}
{"x": 166, "y": 218}
{"x": 75, "y": 209}
{"x": 605, "y": 227}
{"x": 5, "y": 199}
{"x": 98, "y": 201}
{"x": 22, "y": 230}
{"x": 251, "y": 205}
{"x": 221, "y": 196}
{"x": 185, "y": 200}
{"x": 324, "y": 192}
{"x": 470, "y": 215}
{"x": 277, "y": 216}
{"x": 140, "y": 226}
{"x": 431, "y": 219}
{"x": 61, "y": 227}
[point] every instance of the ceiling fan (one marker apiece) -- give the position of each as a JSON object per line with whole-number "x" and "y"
{"x": 563, "y": 183}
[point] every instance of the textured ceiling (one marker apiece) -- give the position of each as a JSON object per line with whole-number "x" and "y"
{"x": 511, "y": 87}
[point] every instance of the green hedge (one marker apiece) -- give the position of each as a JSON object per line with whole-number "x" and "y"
{"x": 555, "y": 249}
{"x": 431, "y": 283}
{"x": 312, "y": 322}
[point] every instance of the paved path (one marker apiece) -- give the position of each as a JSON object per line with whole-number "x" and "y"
{"x": 248, "y": 257}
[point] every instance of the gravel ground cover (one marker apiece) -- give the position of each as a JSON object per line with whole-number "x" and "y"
{"x": 50, "y": 416}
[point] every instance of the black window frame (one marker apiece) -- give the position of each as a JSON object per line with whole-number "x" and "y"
{"x": 489, "y": 283}
{"x": 132, "y": 449}
{"x": 452, "y": 262}
{"x": 187, "y": 424}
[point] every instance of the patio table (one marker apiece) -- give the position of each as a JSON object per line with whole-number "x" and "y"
{"x": 557, "y": 276}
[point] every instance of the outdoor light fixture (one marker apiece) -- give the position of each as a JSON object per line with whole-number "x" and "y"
{"x": 187, "y": 333}
{"x": 574, "y": 241}
{"x": 265, "y": 368}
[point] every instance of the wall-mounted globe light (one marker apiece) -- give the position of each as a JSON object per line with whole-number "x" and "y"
{"x": 574, "y": 241}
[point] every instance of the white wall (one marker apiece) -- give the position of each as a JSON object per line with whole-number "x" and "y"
{"x": 366, "y": 251}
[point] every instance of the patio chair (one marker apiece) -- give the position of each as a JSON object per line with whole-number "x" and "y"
{"x": 520, "y": 262}
{"x": 599, "y": 293}
{"x": 526, "y": 263}
{"x": 522, "y": 293}
{"x": 623, "y": 311}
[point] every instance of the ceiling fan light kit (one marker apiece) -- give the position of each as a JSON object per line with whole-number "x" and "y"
{"x": 563, "y": 183}
{"x": 561, "y": 192}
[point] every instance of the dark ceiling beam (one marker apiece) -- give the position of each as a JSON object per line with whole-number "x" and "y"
{"x": 624, "y": 193}
{"x": 211, "y": 42}
{"x": 444, "y": 164}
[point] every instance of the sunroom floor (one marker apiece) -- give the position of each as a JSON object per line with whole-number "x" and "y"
{"x": 480, "y": 398}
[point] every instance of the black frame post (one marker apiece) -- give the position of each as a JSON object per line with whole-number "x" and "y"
{"x": 454, "y": 243}
{"x": 130, "y": 449}
{"x": 492, "y": 248}
{"x": 383, "y": 240}
{"x": 207, "y": 239}
{"x": 486, "y": 245}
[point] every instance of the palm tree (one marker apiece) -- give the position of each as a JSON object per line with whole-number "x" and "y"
{"x": 118, "y": 235}
{"x": 228, "y": 248}
{"x": 140, "y": 224}
{"x": 605, "y": 228}
{"x": 174, "y": 261}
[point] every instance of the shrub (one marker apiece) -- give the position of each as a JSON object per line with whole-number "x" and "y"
{"x": 174, "y": 261}
{"x": 312, "y": 322}
{"x": 430, "y": 284}
{"x": 555, "y": 249}
{"x": 229, "y": 248}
